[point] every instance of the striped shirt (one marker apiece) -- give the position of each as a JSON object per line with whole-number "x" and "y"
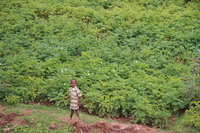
{"x": 74, "y": 96}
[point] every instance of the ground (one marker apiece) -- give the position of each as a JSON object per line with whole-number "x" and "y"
{"x": 79, "y": 126}
{"x": 109, "y": 127}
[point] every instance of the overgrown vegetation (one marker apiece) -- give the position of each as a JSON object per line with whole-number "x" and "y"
{"x": 136, "y": 58}
{"x": 192, "y": 117}
{"x": 189, "y": 122}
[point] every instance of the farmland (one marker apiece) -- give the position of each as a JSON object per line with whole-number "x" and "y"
{"x": 135, "y": 58}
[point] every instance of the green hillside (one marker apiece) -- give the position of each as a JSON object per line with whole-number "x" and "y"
{"x": 137, "y": 58}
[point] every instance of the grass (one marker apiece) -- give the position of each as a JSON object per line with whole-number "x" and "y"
{"x": 180, "y": 127}
{"x": 42, "y": 117}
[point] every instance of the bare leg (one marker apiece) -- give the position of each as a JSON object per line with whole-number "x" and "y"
{"x": 72, "y": 112}
{"x": 77, "y": 113}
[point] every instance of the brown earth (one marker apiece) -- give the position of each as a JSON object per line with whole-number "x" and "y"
{"x": 109, "y": 127}
{"x": 79, "y": 126}
{"x": 13, "y": 119}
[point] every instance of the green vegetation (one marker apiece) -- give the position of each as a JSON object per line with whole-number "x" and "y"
{"x": 192, "y": 116}
{"x": 41, "y": 117}
{"x": 136, "y": 58}
{"x": 189, "y": 122}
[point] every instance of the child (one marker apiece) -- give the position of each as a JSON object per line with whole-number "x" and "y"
{"x": 75, "y": 95}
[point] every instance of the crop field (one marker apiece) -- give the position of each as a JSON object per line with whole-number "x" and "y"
{"x": 131, "y": 58}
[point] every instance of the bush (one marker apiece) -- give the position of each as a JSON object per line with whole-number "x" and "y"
{"x": 192, "y": 115}
{"x": 130, "y": 58}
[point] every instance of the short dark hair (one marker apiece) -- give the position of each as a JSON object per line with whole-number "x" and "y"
{"x": 73, "y": 79}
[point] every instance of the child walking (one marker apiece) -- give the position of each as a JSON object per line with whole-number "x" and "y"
{"x": 74, "y": 95}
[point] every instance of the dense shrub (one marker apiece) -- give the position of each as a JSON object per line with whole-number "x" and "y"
{"x": 192, "y": 116}
{"x": 131, "y": 58}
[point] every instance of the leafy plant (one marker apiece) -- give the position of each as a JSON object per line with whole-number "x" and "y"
{"x": 192, "y": 116}
{"x": 131, "y": 58}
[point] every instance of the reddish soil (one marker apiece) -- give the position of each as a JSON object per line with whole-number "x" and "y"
{"x": 54, "y": 126}
{"x": 26, "y": 112}
{"x": 79, "y": 126}
{"x": 12, "y": 118}
{"x": 8, "y": 118}
{"x": 109, "y": 127}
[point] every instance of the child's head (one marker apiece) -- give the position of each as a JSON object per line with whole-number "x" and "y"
{"x": 73, "y": 83}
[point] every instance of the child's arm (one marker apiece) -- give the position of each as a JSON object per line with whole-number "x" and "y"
{"x": 66, "y": 97}
{"x": 79, "y": 101}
